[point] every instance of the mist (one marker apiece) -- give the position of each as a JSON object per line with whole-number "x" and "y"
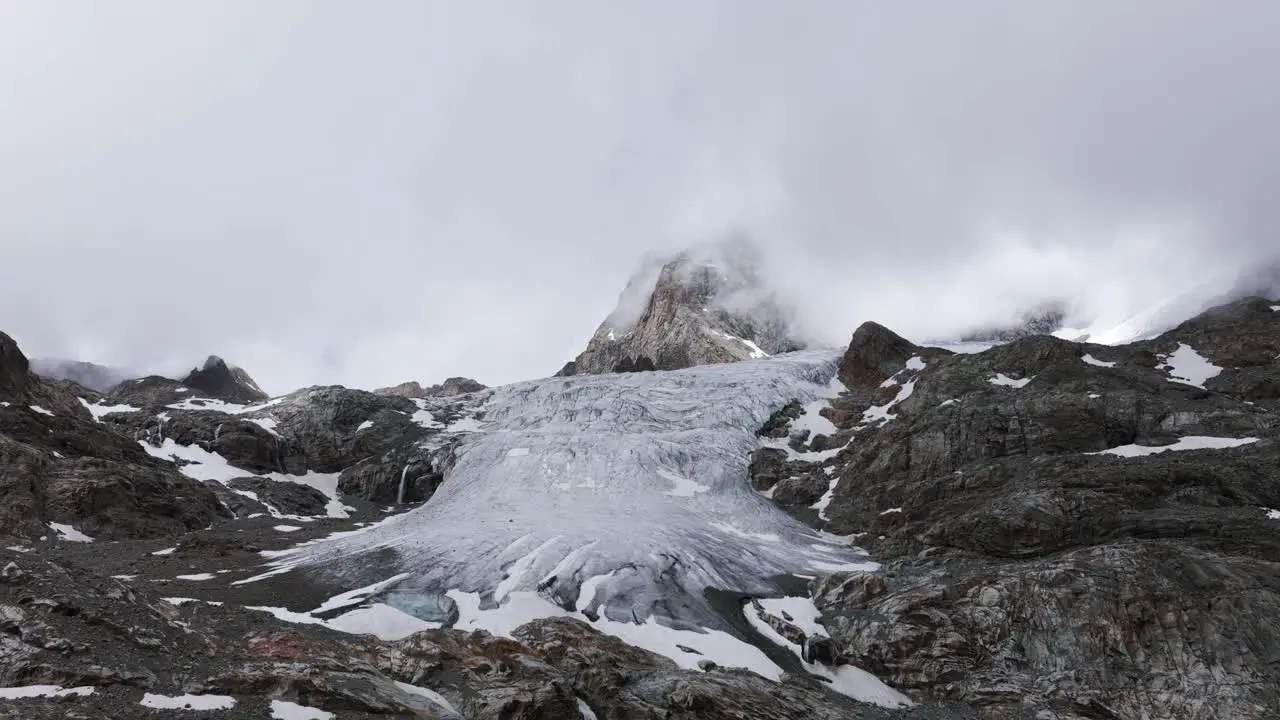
{"x": 328, "y": 192}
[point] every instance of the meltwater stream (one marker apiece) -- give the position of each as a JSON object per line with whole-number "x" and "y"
{"x": 624, "y": 495}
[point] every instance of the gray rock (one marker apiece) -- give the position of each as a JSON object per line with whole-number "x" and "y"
{"x": 1024, "y": 572}
{"x": 451, "y": 387}
{"x": 709, "y": 305}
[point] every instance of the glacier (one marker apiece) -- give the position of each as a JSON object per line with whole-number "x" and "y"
{"x": 624, "y": 496}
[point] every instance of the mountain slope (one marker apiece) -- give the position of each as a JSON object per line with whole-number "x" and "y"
{"x": 1060, "y": 522}
{"x": 703, "y": 306}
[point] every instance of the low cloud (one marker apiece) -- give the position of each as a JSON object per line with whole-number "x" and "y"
{"x": 411, "y": 190}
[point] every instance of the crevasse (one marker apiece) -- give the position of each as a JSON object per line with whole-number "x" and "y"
{"x": 621, "y": 494}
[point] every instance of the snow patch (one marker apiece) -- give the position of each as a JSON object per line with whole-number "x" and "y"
{"x": 1006, "y": 381}
{"x": 1187, "y": 366}
{"x": 427, "y": 693}
{"x": 41, "y": 410}
{"x": 188, "y": 702}
{"x": 34, "y": 691}
{"x": 1190, "y": 442}
{"x": 66, "y": 532}
{"x": 365, "y": 425}
{"x": 847, "y": 680}
{"x": 99, "y": 411}
{"x": 1091, "y": 360}
{"x": 268, "y": 424}
{"x": 166, "y": 551}
{"x": 286, "y": 528}
{"x": 196, "y": 577}
{"x": 285, "y": 710}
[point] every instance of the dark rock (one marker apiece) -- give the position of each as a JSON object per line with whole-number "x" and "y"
{"x": 15, "y": 370}
{"x": 218, "y": 380}
{"x": 801, "y": 490}
{"x": 1023, "y": 571}
{"x": 290, "y": 498}
{"x": 875, "y": 353}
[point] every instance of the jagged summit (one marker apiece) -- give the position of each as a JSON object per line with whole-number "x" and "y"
{"x": 705, "y": 305}
{"x": 219, "y": 380}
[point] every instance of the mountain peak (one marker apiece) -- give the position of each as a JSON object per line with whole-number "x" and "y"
{"x": 705, "y": 305}
{"x": 219, "y": 380}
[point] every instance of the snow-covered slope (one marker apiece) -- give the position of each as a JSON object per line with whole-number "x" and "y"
{"x": 624, "y": 494}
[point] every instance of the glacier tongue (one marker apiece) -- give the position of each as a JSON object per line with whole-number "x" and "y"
{"x": 622, "y": 494}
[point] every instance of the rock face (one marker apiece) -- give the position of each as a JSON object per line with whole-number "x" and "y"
{"x": 59, "y": 465}
{"x": 218, "y": 380}
{"x": 1041, "y": 550}
{"x": 704, "y": 306}
{"x": 449, "y": 388}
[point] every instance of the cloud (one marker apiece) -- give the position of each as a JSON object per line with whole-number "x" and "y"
{"x": 322, "y": 192}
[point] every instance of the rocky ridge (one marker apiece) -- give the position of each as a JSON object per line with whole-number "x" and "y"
{"x": 709, "y": 305}
{"x": 1087, "y": 531}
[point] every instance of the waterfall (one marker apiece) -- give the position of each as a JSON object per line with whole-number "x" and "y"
{"x": 403, "y": 485}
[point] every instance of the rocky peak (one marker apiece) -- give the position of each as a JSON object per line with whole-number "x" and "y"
{"x": 219, "y": 380}
{"x": 874, "y": 354}
{"x": 14, "y": 369}
{"x": 449, "y": 388}
{"x": 706, "y": 305}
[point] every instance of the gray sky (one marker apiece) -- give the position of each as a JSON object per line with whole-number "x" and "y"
{"x": 367, "y": 193}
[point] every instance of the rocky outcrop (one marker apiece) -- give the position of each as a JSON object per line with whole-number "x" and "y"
{"x": 59, "y": 465}
{"x": 449, "y": 388}
{"x": 704, "y": 306}
{"x": 1041, "y": 551}
{"x": 218, "y": 380}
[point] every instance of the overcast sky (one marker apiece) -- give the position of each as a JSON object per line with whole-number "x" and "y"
{"x": 371, "y": 192}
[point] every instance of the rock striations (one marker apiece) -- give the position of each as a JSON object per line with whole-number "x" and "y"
{"x": 704, "y": 306}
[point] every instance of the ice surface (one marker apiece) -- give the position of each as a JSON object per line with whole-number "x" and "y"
{"x": 1091, "y": 360}
{"x": 1190, "y": 442}
{"x": 647, "y": 469}
{"x": 1185, "y": 365}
